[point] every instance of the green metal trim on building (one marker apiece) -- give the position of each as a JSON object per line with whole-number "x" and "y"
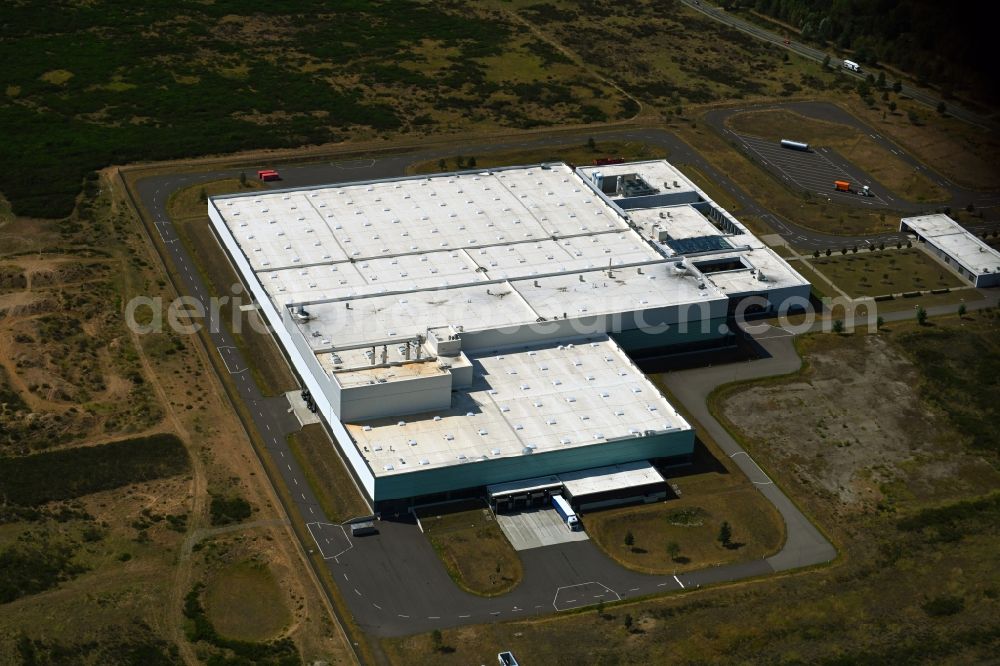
{"x": 482, "y": 473}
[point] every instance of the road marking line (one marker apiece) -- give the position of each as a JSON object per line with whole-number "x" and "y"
{"x": 356, "y": 592}
{"x": 679, "y": 582}
{"x": 376, "y": 605}
{"x": 464, "y": 616}
{"x": 406, "y": 616}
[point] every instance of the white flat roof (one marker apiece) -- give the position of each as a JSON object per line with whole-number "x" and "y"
{"x": 542, "y": 398}
{"x": 499, "y": 304}
{"x": 523, "y": 485}
{"x": 958, "y": 243}
{"x": 612, "y": 477}
{"x": 657, "y": 173}
{"x": 760, "y": 259}
{"x": 683, "y": 221}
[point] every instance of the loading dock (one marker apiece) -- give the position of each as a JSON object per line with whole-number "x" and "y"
{"x": 524, "y": 494}
{"x": 629, "y": 483}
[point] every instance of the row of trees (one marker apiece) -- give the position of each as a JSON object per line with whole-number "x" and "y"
{"x": 460, "y": 163}
{"x": 725, "y": 537}
{"x": 854, "y": 249}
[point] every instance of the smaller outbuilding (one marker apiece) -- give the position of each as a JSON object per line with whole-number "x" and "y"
{"x": 971, "y": 257}
{"x": 628, "y": 483}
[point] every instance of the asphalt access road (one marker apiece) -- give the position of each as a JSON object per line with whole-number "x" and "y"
{"x": 803, "y": 238}
{"x": 303, "y": 175}
{"x": 394, "y": 583}
{"x": 754, "y": 30}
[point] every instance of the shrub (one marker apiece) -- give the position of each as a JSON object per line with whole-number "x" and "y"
{"x": 69, "y": 473}
{"x": 226, "y": 510}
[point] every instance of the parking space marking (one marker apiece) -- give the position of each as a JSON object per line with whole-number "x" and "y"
{"x": 580, "y": 595}
{"x": 811, "y": 170}
{"x": 223, "y": 353}
{"x": 758, "y": 483}
{"x": 315, "y": 529}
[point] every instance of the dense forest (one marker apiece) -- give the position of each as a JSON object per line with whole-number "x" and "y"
{"x": 940, "y": 43}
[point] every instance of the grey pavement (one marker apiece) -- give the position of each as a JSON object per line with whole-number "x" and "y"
{"x": 393, "y": 582}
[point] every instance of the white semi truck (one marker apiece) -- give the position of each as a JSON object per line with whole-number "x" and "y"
{"x": 566, "y": 511}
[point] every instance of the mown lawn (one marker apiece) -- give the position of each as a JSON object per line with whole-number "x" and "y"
{"x": 885, "y": 272}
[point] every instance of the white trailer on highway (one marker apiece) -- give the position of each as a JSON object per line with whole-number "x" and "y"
{"x": 853, "y": 66}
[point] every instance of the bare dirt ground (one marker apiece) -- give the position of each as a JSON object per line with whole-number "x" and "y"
{"x": 854, "y": 429}
{"x": 72, "y": 374}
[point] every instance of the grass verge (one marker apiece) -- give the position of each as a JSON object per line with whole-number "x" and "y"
{"x": 326, "y": 474}
{"x": 579, "y": 154}
{"x": 474, "y": 550}
{"x": 267, "y": 365}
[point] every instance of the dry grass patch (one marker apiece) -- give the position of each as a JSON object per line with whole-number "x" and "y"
{"x": 474, "y": 550}
{"x": 692, "y": 522}
{"x": 327, "y": 475}
{"x": 963, "y": 152}
{"x": 244, "y": 602}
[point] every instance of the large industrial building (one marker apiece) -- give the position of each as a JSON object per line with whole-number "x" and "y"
{"x": 973, "y": 259}
{"x": 465, "y": 330}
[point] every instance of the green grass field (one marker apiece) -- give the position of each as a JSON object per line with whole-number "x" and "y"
{"x": 885, "y": 272}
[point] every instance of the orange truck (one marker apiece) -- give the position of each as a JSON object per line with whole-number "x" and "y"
{"x": 841, "y": 186}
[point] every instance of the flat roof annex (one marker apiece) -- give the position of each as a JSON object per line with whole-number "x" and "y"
{"x": 944, "y": 232}
{"x": 523, "y": 401}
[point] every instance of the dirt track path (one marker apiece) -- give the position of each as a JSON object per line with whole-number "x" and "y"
{"x": 199, "y": 491}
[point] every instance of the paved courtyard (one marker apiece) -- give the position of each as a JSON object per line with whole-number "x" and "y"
{"x": 535, "y": 528}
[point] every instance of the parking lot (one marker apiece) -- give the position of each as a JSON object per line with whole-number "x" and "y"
{"x": 811, "y": 170}
{"x": 535, "y": 528}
